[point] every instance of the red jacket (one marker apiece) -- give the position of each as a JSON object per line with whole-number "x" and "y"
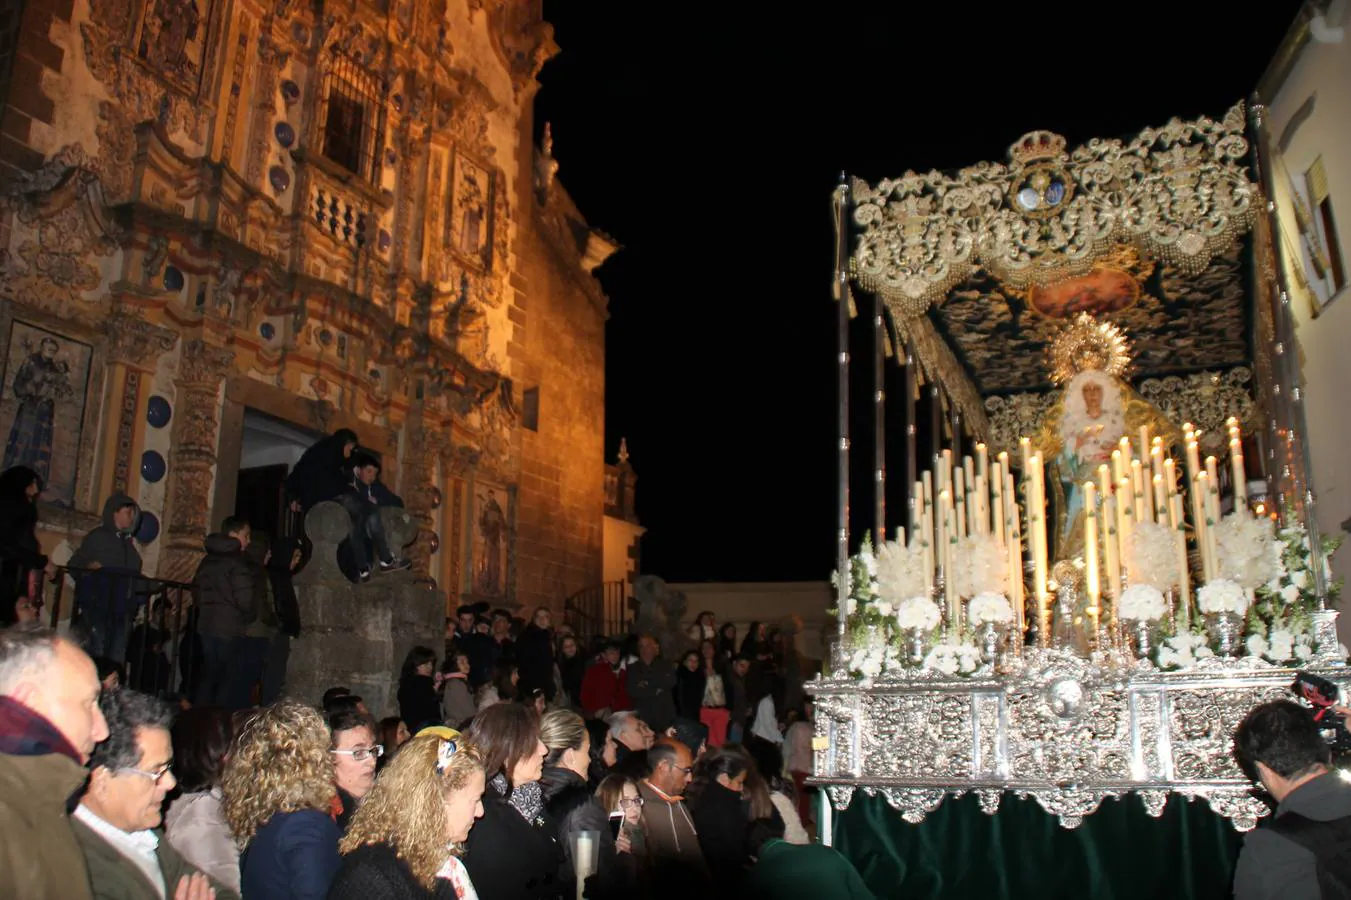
{"x": 604, "y": 688}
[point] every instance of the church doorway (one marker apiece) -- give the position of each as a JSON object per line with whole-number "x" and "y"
{"x": 270, "y": 447}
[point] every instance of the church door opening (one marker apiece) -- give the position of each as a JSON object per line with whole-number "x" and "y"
{"x": 270, "y": 448}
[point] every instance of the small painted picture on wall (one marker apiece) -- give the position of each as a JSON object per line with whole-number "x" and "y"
{"x": 471, "y": 204}
{"x": 491, "y": 537}
{"x": 42, "y": 406}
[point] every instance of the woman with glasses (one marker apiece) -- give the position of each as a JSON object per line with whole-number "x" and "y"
{"x": 278, "y": 788}
{"x": 513, "y": 853}
{"x": 355, "y": 753}
{"x": 619, "y": 797}
{"x": 406, "y": 839}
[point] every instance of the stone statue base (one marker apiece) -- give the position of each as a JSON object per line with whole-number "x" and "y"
{"x": 355, "y": 635}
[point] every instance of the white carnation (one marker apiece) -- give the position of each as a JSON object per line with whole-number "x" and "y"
{"x": 980, "y": 566}
{"x": 1142, "y": 602}
{"x": 989, "y": 607}
{"x": 1256, "y": 645}
{"x": 1152, "y": 555}
{"x": 950, "y": 659}
{"x": 883, "y": 608}
{"x": 1282, "y": 646}
{"x": 918, "y": 612}
{"x": 1222, "y": 596}
{"x": 1290, "y": 593}
{"x": 1243, "y": 544}
{"x": 900, "y": 571}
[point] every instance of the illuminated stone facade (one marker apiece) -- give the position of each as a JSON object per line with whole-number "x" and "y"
{"x": 333, "y": 214}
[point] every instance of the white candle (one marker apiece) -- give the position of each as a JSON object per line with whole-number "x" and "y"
{"x": 1111, "y": 546}
{"x": 1183, "y": 564}
{"x": 1001, "y": 530}
{"x": 1160, "y": 501}
{"x": 1240, "y": 476}
{"x": 983, "y": 461}
{"x": 959, "y": 503}
{"x": 1016, "y": 563}
{"x": 1140, "y": 499}
{"x": 1091, "y": 553}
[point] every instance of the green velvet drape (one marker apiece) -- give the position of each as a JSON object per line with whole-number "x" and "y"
{"x": 1119, "y": 852}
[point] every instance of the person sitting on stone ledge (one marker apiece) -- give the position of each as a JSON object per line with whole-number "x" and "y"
{"x": 322, "y": 472}
{"x": 362, "y": 501}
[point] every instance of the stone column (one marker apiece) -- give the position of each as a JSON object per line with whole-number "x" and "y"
{"x": 134, "y": 349}
{"x": 196, "y": 433}
{"x": 419, "y": 462}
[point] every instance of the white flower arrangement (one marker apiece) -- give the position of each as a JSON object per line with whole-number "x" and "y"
{"x": 989, "y": 607}
{"x": 1243, "y": 546}
{"x": 953, "y": 659}
{"x": 899, "y": 571}
{"x": 1143, "y": 603}
{"x": 1152, "y": 556}
{"x": 918, "y": 612}
{"x": 980, "y": 566}
{"x": 1183, "y": 650}
{"x": 1222, "y": 596}
{"x": 1280, "y": 646}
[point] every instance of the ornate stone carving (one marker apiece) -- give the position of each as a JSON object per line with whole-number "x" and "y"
{"x": 1180, "y": 193}
{"x": 136, "y": 342}
{"x": 196, "y": 434}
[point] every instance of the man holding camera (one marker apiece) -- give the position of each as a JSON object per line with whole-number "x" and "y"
{"x": 1304, "y": 852}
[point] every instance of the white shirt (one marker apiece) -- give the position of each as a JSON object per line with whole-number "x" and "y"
{"x": 138, "y": 846}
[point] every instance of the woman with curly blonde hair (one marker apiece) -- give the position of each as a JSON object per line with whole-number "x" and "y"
{"x": 278, "y": 787}
{"x": 405, "y": 839}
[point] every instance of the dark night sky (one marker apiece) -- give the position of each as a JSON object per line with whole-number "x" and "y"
{"x": 707, "y": 139}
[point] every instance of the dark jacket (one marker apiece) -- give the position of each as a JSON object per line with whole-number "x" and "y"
{"x": 535, "y": 660}
{"x": 571, "y": 670}
{"x": 375, "y": 872}
{"x": 321, "y": 472}
{"x": 674, "y": 861}
{"x": 689, "y": 693}
{"x": 509, "y": 858}
{"x": 376, "y": 492}
{"x": 1271, "y": 865}
{"x": 39, "y": 856}
{"x": 650, "y": 687}
{"x": 722, "y": 830}
{"x": 479, "y": 649}
{"x": 418, "y": 704}
{"x": 109, "y": 591}
{"x": 114, "y": 877}
{"x": 287, "y": 605}
{"x": 574, "y": 808}
{"x": 293, "y": 857}
{"x": 20, "y": 552}
{"x": 225, "y": 587}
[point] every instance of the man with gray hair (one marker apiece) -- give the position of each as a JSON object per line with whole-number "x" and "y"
{"x": 117, "y": 821}
{"x": 49, "y": 723}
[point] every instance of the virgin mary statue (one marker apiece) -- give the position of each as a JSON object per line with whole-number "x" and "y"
{"x": 1084, "y": 424}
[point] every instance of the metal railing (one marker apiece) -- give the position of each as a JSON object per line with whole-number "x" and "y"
{"x": 601, "y": 610}
{"x": 143, "y": 626}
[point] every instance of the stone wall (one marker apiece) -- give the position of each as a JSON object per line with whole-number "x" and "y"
{"x": 358, "y": 635}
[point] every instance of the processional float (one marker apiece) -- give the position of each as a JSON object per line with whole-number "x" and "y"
{"x": 1114, "y": 554}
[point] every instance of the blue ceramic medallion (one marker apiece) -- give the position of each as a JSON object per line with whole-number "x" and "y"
{"x": 173, "y": 278}
{"x": 375, "y": 375}
{"x": 153, "y": 466}
{"x": 147, "y": 529}
{"x": 280, "y": 178}
{"x": 267, "y": 330}
{"x": 158, "y": 412}
{"x": 325, "y": 337}
{"x": 290, "y": 91}
{"x": 286, "y": 135}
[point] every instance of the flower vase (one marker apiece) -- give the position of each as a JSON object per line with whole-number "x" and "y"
{"x": 1143, "y": 629}
{"x": 1225, "y": 630}
{"x": 1327, "y": 648}
{"x": 989, "y": 636}
{"x": 916, "y": 640}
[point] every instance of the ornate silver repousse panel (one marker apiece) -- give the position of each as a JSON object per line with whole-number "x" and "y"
{"x": 1061, "y": 730}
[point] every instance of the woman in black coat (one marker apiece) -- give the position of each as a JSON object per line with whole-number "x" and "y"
{"x": 20, "y": 554}
{"x": 535, "y": 655}
{"x": 513, "y": 851}
{"x": 719, "y": 818}
{"x": 419, "y": 706}
{"x": 689, "y": 689}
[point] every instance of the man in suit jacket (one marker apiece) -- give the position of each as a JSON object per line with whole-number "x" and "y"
{"x": 117, "y": 821}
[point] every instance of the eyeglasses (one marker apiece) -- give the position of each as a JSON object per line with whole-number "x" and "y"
{"x": 630, "y": 802}
{"x": 361, "y": 754}
{"x": 155, "y": 775}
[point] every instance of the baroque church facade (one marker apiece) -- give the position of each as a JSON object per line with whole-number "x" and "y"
{"x": 322, "y": 214}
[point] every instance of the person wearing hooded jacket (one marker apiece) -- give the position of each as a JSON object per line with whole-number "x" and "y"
{"x": 228, "y": 605}
{"x": 108, "y": 591}
{"x": 321, "y": 473}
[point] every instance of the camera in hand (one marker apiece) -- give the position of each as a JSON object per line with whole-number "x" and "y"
{"x": 1322, "y": 696}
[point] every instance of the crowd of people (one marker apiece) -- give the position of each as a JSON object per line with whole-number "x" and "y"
{"x": 110, "y": 792}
